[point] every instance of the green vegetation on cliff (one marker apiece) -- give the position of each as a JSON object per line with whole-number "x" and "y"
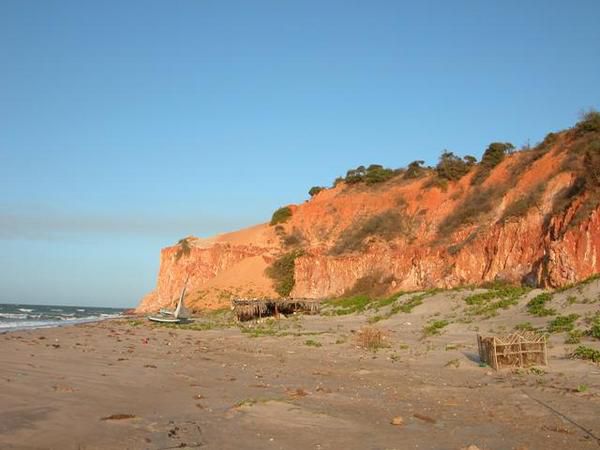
{"x": 281, "y": 215}
{"x": 281, "y": 271}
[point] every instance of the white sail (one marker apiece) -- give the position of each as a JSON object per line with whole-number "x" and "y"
{"x": 181, "y": 312}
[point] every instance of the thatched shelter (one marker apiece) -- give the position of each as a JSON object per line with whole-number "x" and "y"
{"x": 513, "y": 350}
{"x": 252, "y": 309}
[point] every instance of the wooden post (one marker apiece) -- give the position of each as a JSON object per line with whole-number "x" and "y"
{"x": 495, "y": 362}
{"x": 520, "y": 352}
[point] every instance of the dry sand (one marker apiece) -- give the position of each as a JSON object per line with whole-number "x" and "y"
{"x": 130, "y": 385}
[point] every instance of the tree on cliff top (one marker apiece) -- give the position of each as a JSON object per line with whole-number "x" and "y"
{"x": 493, "y": 155}
{"x": 415, "y": 170}
{"x": 184, "y": 248}
{"x": 282, "y": 215}
{"x": 315, "y": 190}
{"x": 453, "y": 168}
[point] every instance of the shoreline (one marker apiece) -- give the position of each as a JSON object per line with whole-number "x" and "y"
{"x": 61, "y": 324}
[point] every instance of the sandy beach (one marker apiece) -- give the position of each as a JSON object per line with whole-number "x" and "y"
{"x": 300, "y": 382}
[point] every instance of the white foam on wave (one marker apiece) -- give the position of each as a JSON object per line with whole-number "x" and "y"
{"x": 32, "y": 324}
{"x": 25, "y": 310}
{"x": 24, "y": 324}
{"x": 13, "y": 315}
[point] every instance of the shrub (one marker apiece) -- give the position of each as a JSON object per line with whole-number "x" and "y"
{"x": 415, "y": 170}
{"x": 574, "y": 337}
{"x": 282, "y": 215}
{"x": 478, "y": 202}
{"x": 536, "y": 305}
{"x": 378, "y": 174}
{"x": 294, "y": 239}
{"x": 184, "y": 248}
{"x": 493, "y": 155}
{"x": 589, "y": 123}
{"x": 281, "y": 271}
{"x": 387, "y": 225}
{"x": 406, "y": 306}
{"x": 373, "y": 174}
{"x": 437, "y": 182}
{"x": 594, "y": 330}
{"x": 370, "y": 338}
{"x": 520, "y": 206}
{"x": 504, "y": 295}
{"x": 583, "y": 352}
{"x": 416, "y": 300}
{"x": 435, "y": 327}
{"x": 452, "y": 168}
{"x": 549, "y": 140}
{"x": 349, "y": 305}
{"x": 470, "y": 160}
{"x": 315, "y": 190}
{"x": 562, "y": 323}
{"x": 337, "y": 181}
{"x": 524, "y": 326}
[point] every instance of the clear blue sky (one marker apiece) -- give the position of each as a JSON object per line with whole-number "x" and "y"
{"x": 126, "y": 125}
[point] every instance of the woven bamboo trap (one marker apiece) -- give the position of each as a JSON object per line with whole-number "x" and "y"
{"x": 513, "y": 350}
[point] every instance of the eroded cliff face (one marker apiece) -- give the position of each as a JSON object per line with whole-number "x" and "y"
{"x": 541, "y": 244}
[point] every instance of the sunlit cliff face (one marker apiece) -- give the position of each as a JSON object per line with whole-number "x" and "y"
{"x": 533, "y": 219}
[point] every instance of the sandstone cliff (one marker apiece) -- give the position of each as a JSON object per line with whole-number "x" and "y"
{"x": 534, "y": 218}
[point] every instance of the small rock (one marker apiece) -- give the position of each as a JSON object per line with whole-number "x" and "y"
{"x": 471, "y": 447}
{"x": 398, "y": 420}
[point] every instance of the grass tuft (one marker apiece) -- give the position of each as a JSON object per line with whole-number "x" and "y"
{"x": 561, "y": 324}
{"x": 370, "y": 338}
{"x": 587, "y": 353}
{"x": 536, "y": 305}
{"x": 312, "y": 343}
{"x": 435, "y": 327}
{"x": 500, "y": 296}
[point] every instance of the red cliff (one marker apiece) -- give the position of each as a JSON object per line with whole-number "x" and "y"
{"x": 534, "y": 218}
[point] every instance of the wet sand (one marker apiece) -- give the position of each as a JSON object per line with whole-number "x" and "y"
{"x": 130, "y": 385}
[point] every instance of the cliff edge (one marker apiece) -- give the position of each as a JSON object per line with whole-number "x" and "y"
{"x": 528, "y": 216}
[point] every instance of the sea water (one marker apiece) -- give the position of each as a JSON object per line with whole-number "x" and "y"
{"x": 19, "y": 317}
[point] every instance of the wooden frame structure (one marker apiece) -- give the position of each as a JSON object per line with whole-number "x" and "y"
{"x": 513, "y": 350}
{"x": 252, "y": 309}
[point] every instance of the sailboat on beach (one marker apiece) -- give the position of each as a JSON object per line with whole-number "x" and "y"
{"x": 181, "y": 313}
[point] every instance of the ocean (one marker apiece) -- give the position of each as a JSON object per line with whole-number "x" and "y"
{"x": 20, "y": 317}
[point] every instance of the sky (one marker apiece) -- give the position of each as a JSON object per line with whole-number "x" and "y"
{"x": 127, "y": 125}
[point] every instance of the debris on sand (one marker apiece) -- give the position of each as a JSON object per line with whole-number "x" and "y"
{"x": 398, "y": 420}
{"x": 296, "y": 393}
{"x": 424, "y": 418}
{"x": 59, "y": 388}
{"x": 119, "y": 417}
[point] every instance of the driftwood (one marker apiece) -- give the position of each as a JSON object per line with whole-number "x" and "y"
{"x": 513, "y": 350}
{"x": 251, "y": 309}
